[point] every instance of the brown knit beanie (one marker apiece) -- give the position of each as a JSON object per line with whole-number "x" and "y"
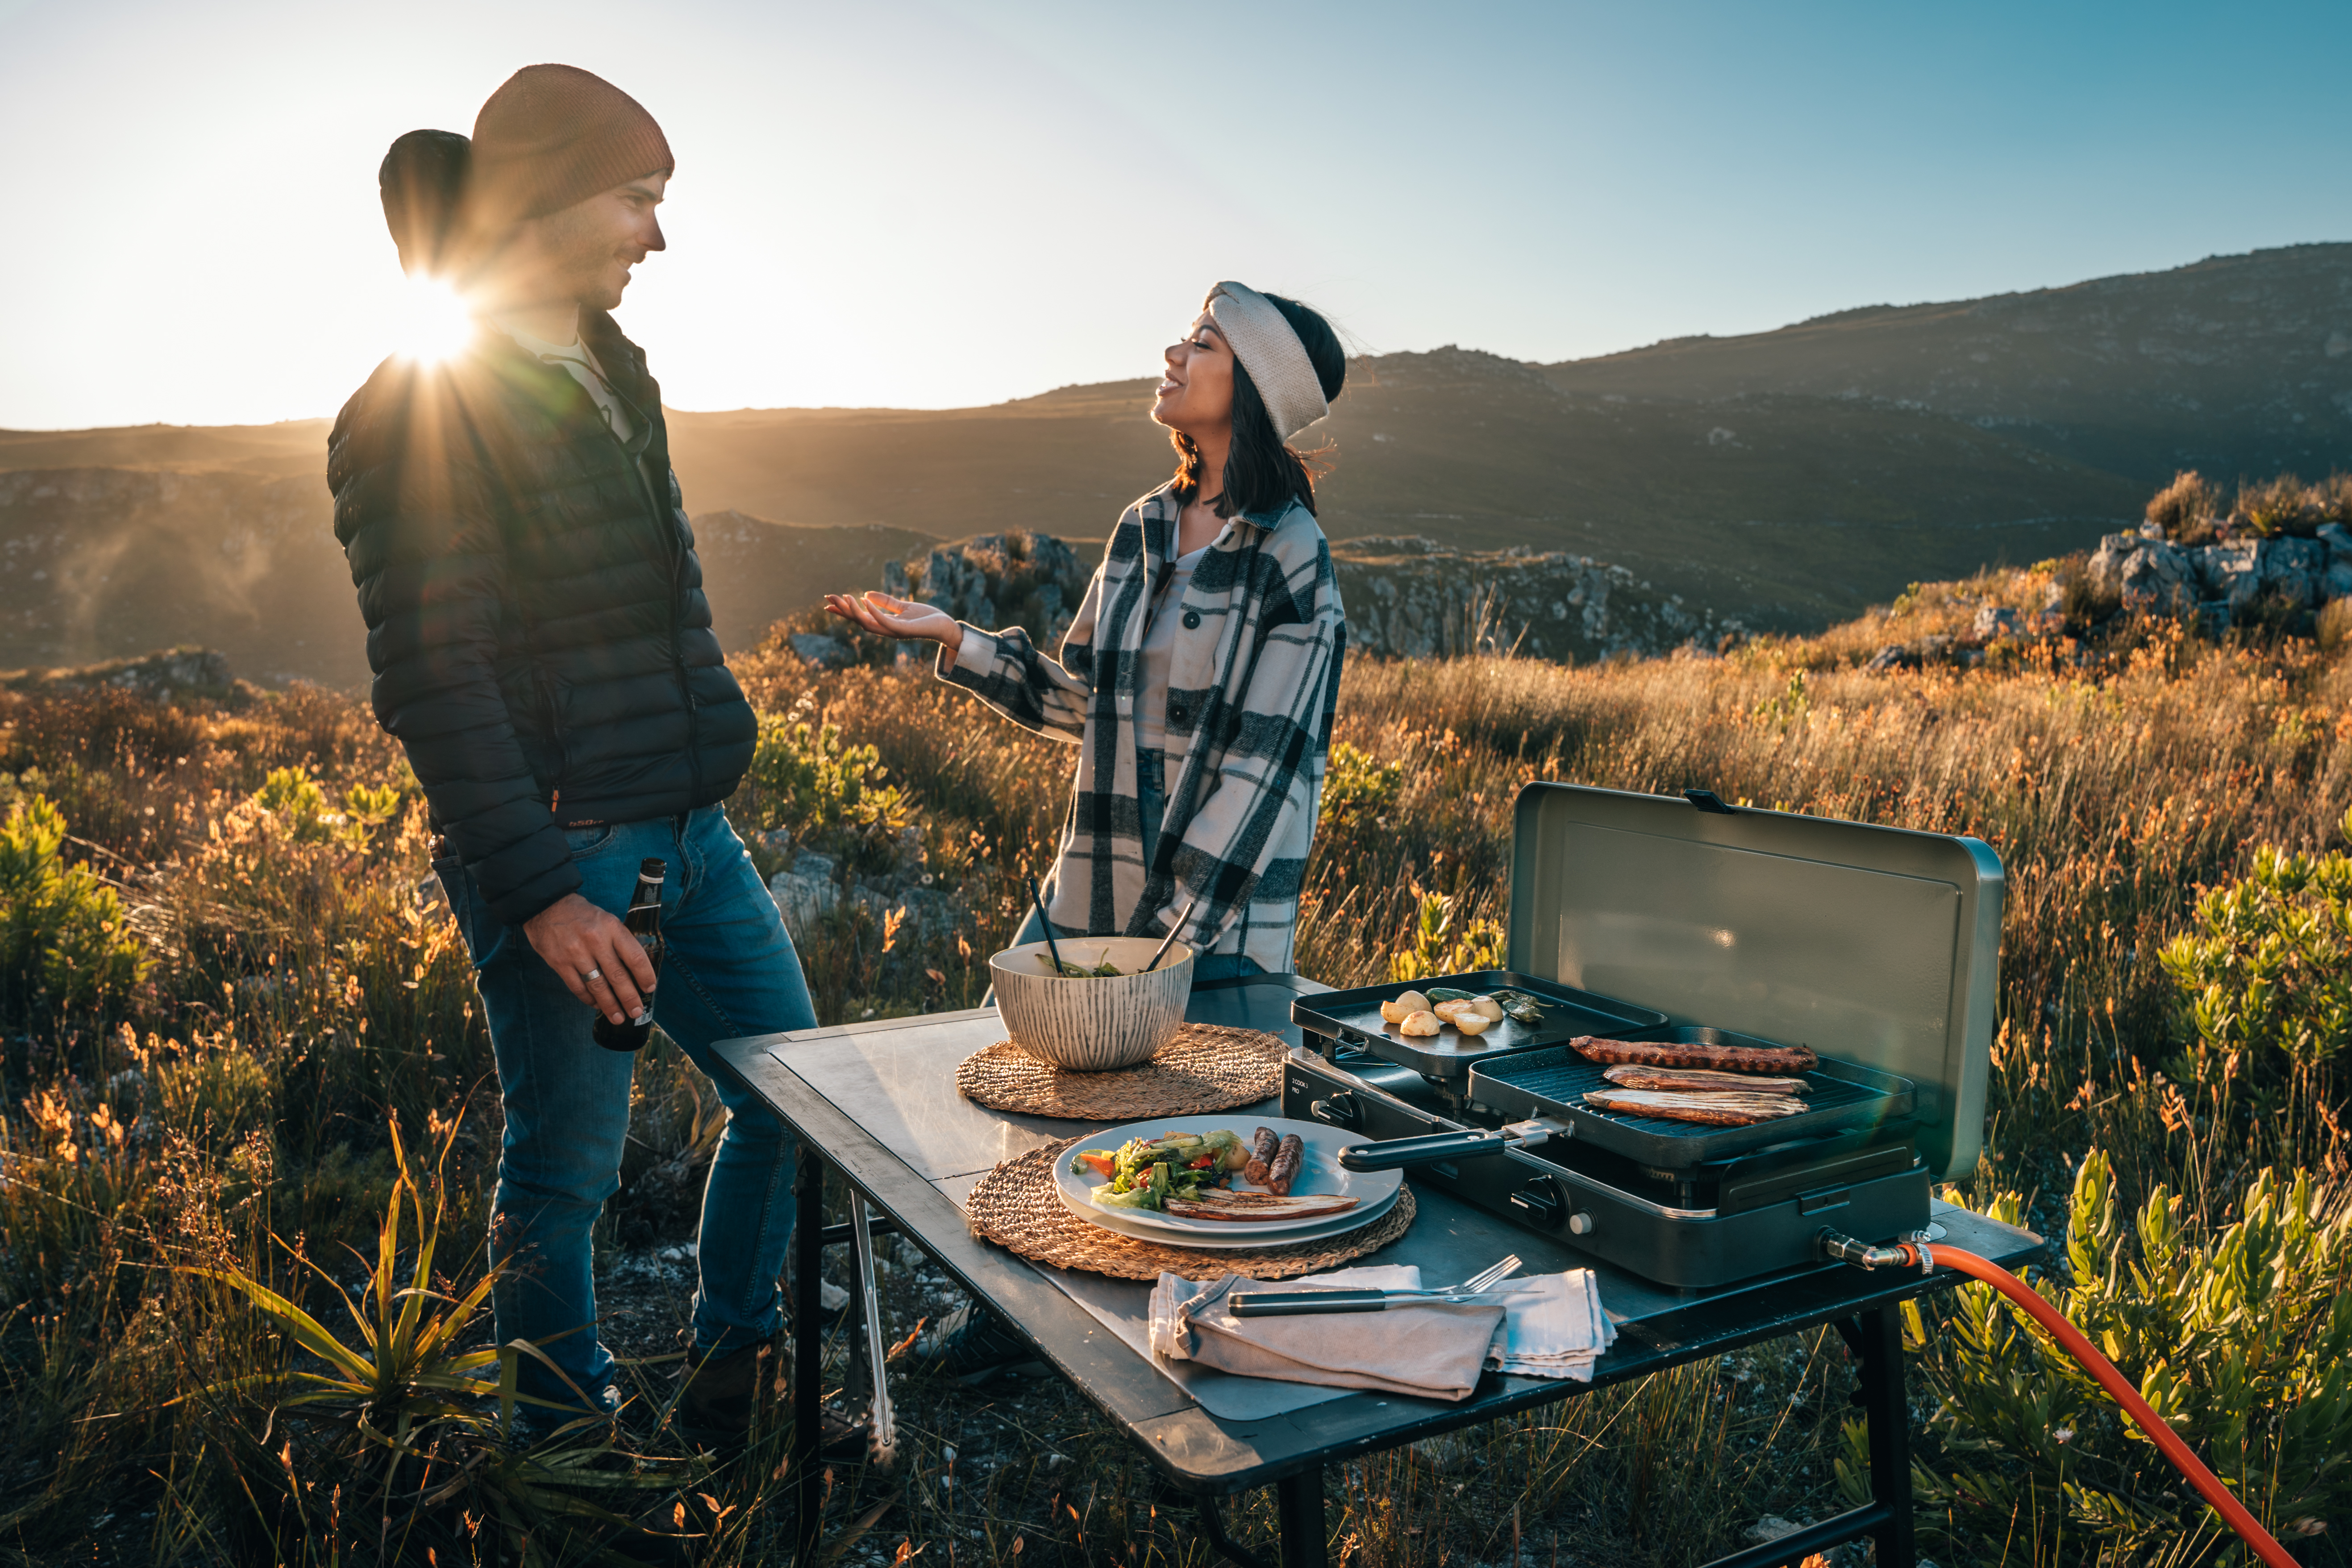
{"x": 554, "y": 135}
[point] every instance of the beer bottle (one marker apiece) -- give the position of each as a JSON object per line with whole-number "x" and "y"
{"x": 643, "y": 920}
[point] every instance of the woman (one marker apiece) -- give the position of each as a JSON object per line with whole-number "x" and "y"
{"x": 1199, "y": 678}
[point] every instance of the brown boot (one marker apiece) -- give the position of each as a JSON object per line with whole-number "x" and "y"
{"x": 717, "y": 1392}
{"x": 717, "y": 1397}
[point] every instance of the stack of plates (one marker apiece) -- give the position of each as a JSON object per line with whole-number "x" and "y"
{"x": 1319, "y": 1175}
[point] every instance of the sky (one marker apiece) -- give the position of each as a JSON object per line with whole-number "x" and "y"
{"x": 941, "y": 203}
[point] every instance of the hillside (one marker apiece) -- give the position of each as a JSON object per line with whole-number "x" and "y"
{"x": 2237, "y": 364}
{"x": 1784, "y": 479}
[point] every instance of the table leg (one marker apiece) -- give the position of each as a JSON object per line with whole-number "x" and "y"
{"x": 1888, "y": 1415}
{"x": 808, "y": 1343}
{"x": 1299, "y": 1510}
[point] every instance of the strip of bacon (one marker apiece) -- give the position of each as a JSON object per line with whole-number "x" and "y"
{"x": 1716, "y": 1110}
{"x": 1245, "y": 1207}
{"x": 1722, "y": 1058}
{"x": 1699, "y": 1081}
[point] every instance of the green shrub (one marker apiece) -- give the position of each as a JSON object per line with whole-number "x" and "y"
{"x": 1436, "y": 950}
{"x": 805, "y": 779}
{"x": 64, "y": 938}
{"x": 2266, "y": 969}
{"x": 2242, "y": 1341}
{"x": 1358, "y": 789}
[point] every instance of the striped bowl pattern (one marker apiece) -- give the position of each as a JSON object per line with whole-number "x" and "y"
{"x": 1092, "y": 1026}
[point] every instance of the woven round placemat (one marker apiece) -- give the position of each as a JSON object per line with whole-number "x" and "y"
{"x": 1205, "y": 1068}
{"x": 1017, "y": 1206}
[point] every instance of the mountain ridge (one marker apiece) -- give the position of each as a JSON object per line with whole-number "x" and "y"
{"x": 1782, "y": 479}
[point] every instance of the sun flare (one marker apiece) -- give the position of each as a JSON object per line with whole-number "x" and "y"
{"x": 435, "y": 322}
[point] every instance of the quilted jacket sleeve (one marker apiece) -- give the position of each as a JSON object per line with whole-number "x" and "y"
{"x": 417, "y": 513}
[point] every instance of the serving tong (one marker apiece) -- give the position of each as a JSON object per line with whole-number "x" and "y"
{"x": 1479, "y": 1287}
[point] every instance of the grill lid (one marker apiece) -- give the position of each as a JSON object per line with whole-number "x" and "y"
{"x": 1874, "y": 945}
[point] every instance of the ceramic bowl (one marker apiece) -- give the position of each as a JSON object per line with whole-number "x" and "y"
{"x": 1092, "y": 1026}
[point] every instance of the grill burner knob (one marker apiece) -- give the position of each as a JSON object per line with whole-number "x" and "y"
{"x": 1340, "y": 1110}
{"x": 1579, "y": 1224}
{"x": 1540, "y": 1200}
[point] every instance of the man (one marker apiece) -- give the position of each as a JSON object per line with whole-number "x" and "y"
{"x": 542, "y": 648}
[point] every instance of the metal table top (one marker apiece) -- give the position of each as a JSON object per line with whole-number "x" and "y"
{"x": 879, "y": 1100}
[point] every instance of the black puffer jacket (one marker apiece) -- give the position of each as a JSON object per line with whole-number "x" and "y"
{"x": 535, "y": 613}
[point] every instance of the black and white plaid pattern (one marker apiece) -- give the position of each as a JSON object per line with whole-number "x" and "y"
{"x": 1252, "y": 687}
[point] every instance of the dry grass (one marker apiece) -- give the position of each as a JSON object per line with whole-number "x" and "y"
{"x": 299, "y": 996}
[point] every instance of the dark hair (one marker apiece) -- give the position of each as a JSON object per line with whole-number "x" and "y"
{"x": 1263, "y": 476}
{"x": 423, "y": 182}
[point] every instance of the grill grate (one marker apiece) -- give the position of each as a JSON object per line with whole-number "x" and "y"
{"x": 1565, "y": 1076}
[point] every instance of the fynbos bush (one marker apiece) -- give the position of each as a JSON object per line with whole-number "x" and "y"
{"x": 63, "y": 937}
{"x": 2241, "y": 1340}
{"x": 2265, "y": 971}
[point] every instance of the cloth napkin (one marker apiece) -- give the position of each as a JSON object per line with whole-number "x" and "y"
{"x": 1553, "y": 1326}
{"x": 1431, "y": 1352}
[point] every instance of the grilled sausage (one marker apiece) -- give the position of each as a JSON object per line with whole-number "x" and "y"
{"x": 1284, "y": 1167}
{"x": 1263, "y": 1146}
{"x": 1699, "y": 1081}
{"x": 1721, "y": 1058}
{"x": 1716, "y": 1110}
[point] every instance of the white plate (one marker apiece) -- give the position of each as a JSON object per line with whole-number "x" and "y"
{"x": 1115, "y": 1220}
{"x": 1319, "y": 1172}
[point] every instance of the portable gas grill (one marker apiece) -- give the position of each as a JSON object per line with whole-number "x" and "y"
{"x": 1649, "y": 917}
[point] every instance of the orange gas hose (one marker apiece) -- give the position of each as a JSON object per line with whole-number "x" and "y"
{"x": 2079, "y": 1346}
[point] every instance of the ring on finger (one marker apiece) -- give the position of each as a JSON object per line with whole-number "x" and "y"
{"x": 594, "y": 975}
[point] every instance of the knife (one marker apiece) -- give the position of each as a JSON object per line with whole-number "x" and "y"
{"x": 1300, "y": 1303}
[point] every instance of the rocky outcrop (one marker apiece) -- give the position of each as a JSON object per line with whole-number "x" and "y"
{"x": 1406, "y": 596}
{"x": 1413, "y": 597}
{"x": 2222, "y": 580}
{"x": 1031, "y": 580}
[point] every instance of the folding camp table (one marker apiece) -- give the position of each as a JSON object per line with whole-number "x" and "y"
{"x": 877, "y": 1103}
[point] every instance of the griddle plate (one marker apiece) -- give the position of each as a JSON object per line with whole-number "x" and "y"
{"x": 1570, "y": 1080}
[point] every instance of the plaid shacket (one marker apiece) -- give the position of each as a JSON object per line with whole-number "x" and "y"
{"x": 1251, "y": 692}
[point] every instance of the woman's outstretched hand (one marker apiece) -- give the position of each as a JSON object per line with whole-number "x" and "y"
{"x": 884, "y": 617}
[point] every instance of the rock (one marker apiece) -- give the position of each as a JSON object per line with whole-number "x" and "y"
{"x": 2145, "y": 572}
{"x": 803, "y": 899}
{"x": 2337, "y": 582}
{"x": 2338, "y": 540}
{"x": 777, "y": 840}
{"x": 809, "y": 863}
{"x": 1935, "y": 645}
{"x": 825, "y": 652}
{"x": 2213, "y": 617}
{"x": 1893, "y": 656}
{"x": 2231, "y": 573}
{"x": 1771, "y": 1528}
{"x": 1994, "y": 622}
{"x": 1445, "y": 1453}
{"x": 931, "y": 911}
{"x": 2293, "y": 570}
{"x": 2108, "y": 561}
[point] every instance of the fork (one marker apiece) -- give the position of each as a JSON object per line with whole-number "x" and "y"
{"x": 1494, "y": 1274}
{"x": 1294, "y": 1303}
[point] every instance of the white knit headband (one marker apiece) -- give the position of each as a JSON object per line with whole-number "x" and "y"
{"x": 1269, "y": 349}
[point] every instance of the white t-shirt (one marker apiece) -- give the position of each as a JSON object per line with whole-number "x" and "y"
{"x": 1159, "y": 651}
{"x": 581, "y": 365}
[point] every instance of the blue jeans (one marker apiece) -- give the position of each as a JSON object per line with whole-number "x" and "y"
{"x": 1151, "y": 798}
{"x": 729, "y": 971}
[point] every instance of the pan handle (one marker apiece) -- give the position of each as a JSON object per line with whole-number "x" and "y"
{"x": 1404, "y": 1154}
